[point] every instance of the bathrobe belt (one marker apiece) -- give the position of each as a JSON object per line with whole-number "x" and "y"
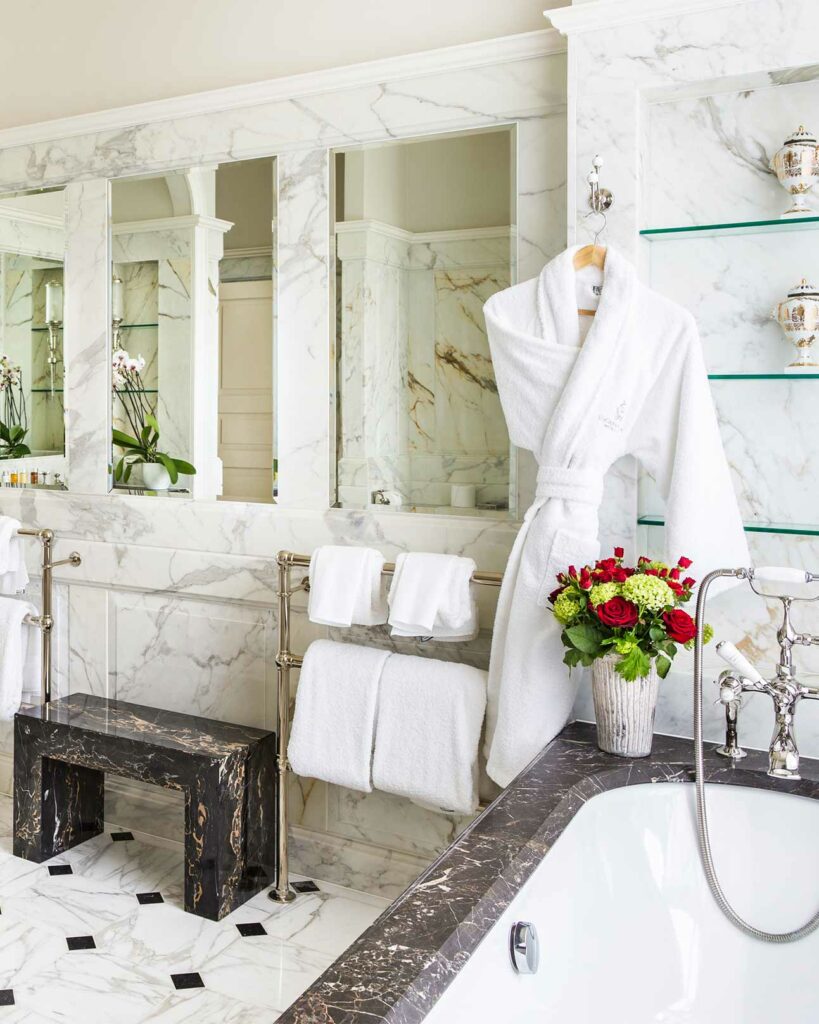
{"x": 581, "y": 485}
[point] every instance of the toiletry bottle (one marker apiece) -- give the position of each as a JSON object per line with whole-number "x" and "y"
{"x": 14, "y": 478}
{"x": 34, "y": 477}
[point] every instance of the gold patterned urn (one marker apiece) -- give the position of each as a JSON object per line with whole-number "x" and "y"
{"x": 796, "y": 166}
{"x": 798, "y": 316}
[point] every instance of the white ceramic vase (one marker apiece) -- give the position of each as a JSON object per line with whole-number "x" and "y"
{"x": 624, "y": 710}
{"x": 155, "y": 476}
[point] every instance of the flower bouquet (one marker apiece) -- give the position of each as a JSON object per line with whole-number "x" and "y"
{"x": 627, "y": 623}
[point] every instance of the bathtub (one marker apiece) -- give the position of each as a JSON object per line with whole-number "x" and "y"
{"x": 629, "y": 933}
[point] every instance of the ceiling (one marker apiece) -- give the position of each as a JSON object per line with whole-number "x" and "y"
{"x": 58, "y": 59}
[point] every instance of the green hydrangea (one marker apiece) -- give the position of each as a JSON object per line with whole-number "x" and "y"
{"x": 566, "y": 608}
{"x": 649, "y": 592}
{"x": 602, "y": 592}
{"x": 707, "y": 633}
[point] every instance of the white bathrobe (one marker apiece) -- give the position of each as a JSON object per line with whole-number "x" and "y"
{"x": 637, "y": 385}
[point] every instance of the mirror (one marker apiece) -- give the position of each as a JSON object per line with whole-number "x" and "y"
{"x": 32, "y": 432}
{"x": 246, "y": 198}
{"x": 424, "y": 235}
{"x": 192, "y": 332}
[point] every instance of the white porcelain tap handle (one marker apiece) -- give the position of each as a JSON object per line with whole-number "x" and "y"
{"x": 780, "y": 574}
{"x": 738, "y": 661}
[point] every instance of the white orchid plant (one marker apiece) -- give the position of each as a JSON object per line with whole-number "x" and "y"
{"x": 14, "y": 424}
{"x": 142, "y": 445}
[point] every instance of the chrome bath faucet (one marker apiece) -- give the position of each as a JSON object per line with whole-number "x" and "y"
{"x": 784, "y": 689}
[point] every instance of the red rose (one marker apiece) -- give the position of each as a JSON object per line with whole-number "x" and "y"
{"x": 680, "y": 626}
{"x": 555, "y": 593}
{"x": 689, "y": 581}
{"x": 618, "y": 612}
{"x": 619, "y": 552}
{"x": 684, "y": 562}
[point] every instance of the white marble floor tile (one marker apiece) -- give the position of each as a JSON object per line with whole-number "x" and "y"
{"x": 131, "y": 866}
{"x": 204, "y": 1007}
{"x": 163, "y": 940}
{"x": 25, "y": 950}
{"x": 323, "y": 923}
{"x": 88, "y": 987}
{"x": 264, "y": 971}
{"x": 15, "y": 873}
{"x": 68, "y": 904}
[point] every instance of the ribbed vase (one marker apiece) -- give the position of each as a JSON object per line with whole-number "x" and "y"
{"x": 624, "y": 710}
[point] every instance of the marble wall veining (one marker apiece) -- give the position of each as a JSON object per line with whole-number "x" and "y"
{"x": 174, "y": 604}
{"x": 687, "y": 111}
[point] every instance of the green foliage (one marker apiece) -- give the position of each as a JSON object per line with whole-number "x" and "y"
{"x": 11, "y": 442}
{"x": 144, "y": 449}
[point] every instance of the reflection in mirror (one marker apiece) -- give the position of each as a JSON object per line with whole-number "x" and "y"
{"x": 245, "y": 198}
{"x": 424, "y": 233}
{"x": 32, "y": 243}
{"x": 152, "y": 245}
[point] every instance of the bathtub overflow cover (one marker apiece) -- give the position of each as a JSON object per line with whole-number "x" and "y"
{"x": 524, "y": 947}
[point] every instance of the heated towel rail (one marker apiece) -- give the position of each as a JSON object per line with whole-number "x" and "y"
{"x": 45, "y": 621}
{"x": 285, "y": 660}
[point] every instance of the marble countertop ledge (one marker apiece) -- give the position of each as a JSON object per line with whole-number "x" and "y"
{"x": 402, "y": 964}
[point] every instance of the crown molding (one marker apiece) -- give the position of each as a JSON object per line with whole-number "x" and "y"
{"x": 380, "y": 227}
{"x": 41, "y": 220}
{"x": 249, "y": 252}
{"x": 602, "y": 14}
{"x": 524, "y": 46}
{"x": 186, "y": 223}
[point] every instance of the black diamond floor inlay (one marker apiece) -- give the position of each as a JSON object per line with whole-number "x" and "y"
{"x": 193, "y": 980}
{"x": 81, "y": 942}
{"x": 251, "y": 929}
{"x": 150, "y": 897}
{"x": 6, "y": 997}
{"x": 303, "y": 887}
{"x": 122, "y": 837}
{"x": 60, "y": 869}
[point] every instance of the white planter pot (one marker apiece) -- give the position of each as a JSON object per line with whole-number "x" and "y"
{"x": 155, "y": 476}
{"x": 624, "y": 710}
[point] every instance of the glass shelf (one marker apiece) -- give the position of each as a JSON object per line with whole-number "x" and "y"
{"x": 136, "y": 391}
{"x": 764, "y": 376}
{"x": 122, "y": 327}
{"x": 742, "y": 227}
{"x": 794, "y": 529}
{"x": 46, "y": 391}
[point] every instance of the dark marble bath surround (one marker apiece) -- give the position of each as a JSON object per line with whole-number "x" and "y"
{"x": 401, "y": 965}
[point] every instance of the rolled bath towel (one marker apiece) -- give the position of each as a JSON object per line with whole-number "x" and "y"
{"x": 346, "y": 586}
{"x": 431, "y": 596}
{"x": 19, "y": 656}
{"x": 334, "y": 722}
{"x": 13, "y": 573}
{"x": 430, "y": 715}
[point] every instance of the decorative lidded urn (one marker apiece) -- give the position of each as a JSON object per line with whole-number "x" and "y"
{"x": 798, "y": 316}
{"x": 796, "y": 166}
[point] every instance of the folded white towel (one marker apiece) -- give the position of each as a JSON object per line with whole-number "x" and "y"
{"x": 13, "y": 574}
{"x": 431, "y": 596}
{"x": 334, "y": 721}
{"x": 19, "y": 655}
{"x": 430, "y": 715}
{"x": 346, "y": 586}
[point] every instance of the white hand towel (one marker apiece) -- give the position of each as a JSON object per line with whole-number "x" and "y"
{"x": 346, "y": 586}
{"x": 431, "y": 596}
{"x": 19, "y": 655}
{"x": 430, "y": 715}
{"x": 334, "y": 721}
{"x": 13, "y": 574}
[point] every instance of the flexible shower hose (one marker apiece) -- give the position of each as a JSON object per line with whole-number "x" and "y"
{"x": 703, "y": 838}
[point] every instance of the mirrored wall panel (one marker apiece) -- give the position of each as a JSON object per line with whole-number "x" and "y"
{"x": 424, "y": 235}
{"x": 192, "y": 332}
{"x": 32, "y": 433}
{"x": 152, "y": 247}
{"x": 246, "y": 199}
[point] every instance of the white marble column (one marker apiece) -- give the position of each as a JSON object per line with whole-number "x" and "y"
{"x": 87, "y": 318}
{"x": 304, "y": 330}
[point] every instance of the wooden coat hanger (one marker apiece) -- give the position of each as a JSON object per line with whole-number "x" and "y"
{"x": 589, "y": 256}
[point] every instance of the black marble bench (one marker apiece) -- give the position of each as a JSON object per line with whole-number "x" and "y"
{"x": 227, "y": 773}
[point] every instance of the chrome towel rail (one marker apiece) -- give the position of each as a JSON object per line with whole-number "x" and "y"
{"x": 45, "y": 620}
{"x": 287, "y": 561}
